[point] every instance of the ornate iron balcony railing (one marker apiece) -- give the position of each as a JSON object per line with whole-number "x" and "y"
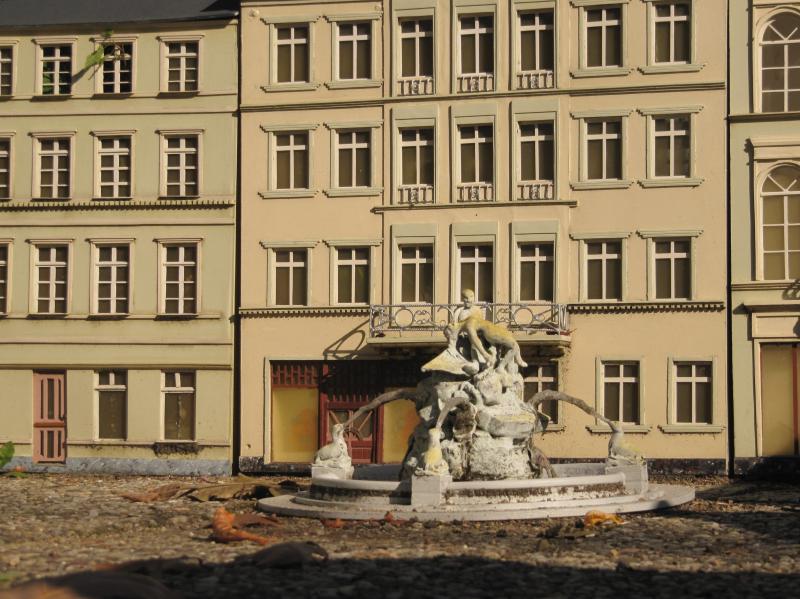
{"x": 519, "y": 317}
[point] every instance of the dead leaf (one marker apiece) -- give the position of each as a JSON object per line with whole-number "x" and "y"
{"x": 242, "y": 520}
{"x": 161, "y": 493}
{"x": 227, "y": 491}
{"x": 289, "y": 555}
{"x": 598, "y": 518}
{"x": 336, "y": 523}
{"x": 223, "y": 529}
{"x": 91, "y": 585}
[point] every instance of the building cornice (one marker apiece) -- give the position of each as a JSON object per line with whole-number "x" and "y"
{"x": 303, "y": 311}
{"x": 755, "y": 117}
{"x": 446, "y": 205}
{"x": 631, "y": 307}
{"x": 95, "y": 205}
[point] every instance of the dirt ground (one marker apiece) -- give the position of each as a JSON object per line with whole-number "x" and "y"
{"x": 736, "y": 539}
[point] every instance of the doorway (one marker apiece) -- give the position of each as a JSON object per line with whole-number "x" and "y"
{"x": 780, "y": 406}
{"x": 49, "y": 417}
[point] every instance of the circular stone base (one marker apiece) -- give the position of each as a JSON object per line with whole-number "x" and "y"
{"x": 657, "y": 497}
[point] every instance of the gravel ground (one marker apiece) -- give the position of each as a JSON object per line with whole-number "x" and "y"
{"x": 736, "y": 539}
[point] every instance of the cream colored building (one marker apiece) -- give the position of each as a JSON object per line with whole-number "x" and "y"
{"x": 117, "y": 229}
{"x": 765, "y": 226}
{"x": 565, "y": 159}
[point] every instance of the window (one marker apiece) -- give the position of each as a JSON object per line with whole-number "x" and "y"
{"x": 621, "y": 391}
{"x": 4, "y": 300}
{"x": 56, "y": 65}
{"x": 51, "y": 264}
{"x": 542, "y": 377}
{"x": 179, "y": 274}
{"x": 536, "y": 50}
{"x": 476, "y": 157}
{"x": 536, "y": 152}
{"x": 672, "y": 146}
{"x": 476, "y": 47}
{"x": 6, "y": 70}
{"x": 673, "y": 33}
{"x": 181, "y": 163}
{"x": 114, "y": 162}
{"x": 417, "y": 151}
{"x": 178, "y": 389}
{"x": 352, "y": 275}
{"x": 112, "y": 277}
{"x": 5, "y": 168}
{"x": 291, "y": 160}
{"x": 416, "y": 274}
{"x": 536, "y": 272}
{"x": 112, "y": 404}
{"x": 603, "y": 37}
{"x": 780, "y": 200}
{"x": 673, "y": 268}
{"x": 780, "y": 63}
{"x": 604, "y": 270}
{"x": 291, "y": 44}
{"x": 354, "y": 159}
{"x": 118, "y": 68}
{"x": 416, "y": 56}
{"x": 603, "y": 150}
{"x": 693, "y": 393}
{"x": 54, "y": 166}
{"x": 182, "y": 65}
{"x": 476, "y": 270}
{"x": 291, "y": 277}
{"x": 355, "y": 50}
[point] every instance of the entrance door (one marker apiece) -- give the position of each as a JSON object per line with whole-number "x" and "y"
{"x": 49, "y": 417}
{"x": 780, "y": 416}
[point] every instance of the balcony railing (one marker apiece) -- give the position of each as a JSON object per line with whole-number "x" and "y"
{"x": 527, "y": 318}
{"x": 415, "y": 86}
{"x": 475, "y": 192}
{"x": 478, "y": 82}
{"x": 535, "y": 80}
{"x": 415, "y": 194}
{"x": 535, "y": 190}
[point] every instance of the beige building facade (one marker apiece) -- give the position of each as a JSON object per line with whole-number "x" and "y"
{"x": 117, "y": 236}
{"x": 765, "y": 214}
{"x": 561, "y": 158}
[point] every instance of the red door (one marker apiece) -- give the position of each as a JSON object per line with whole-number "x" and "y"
{"x": 49, "y": 417}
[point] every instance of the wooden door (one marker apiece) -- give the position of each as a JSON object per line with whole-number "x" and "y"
{"x": 49, "y": 417}
{"x": 780, "y": 420}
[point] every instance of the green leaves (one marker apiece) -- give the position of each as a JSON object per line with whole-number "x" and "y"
{"x": 6, "y": 453}
{"x": 95, "y": 58}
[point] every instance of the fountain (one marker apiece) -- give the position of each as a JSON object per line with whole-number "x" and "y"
{"x": 472, "y": 455}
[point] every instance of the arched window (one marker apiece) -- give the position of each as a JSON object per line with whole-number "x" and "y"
{"x": 780, "y": 63}
{"x": 780, "y": 217}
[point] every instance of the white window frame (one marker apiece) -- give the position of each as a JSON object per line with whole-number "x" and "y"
{"x": 272, "y": 191}
{"x": 334, "y": 246}
{"x": 112, "y": 387}
{"x": 583, "y": 118}
{"x": 12, "y": 46}
{"x": 375, "y": 37}
{"x": 537, "y": 261}
{"x": 477, "y": 191}
{"x": 600, "y": 380}
{"x": 652, "y": 20}
{"x": 759, "y": 31}
{"x": 295, "y": 145}
{"x": 412, "y": 235}
{"x": 764, "y": 170}
{"x": 539, "y": 379}
{"x": 651, "y": 237}
{"x": 462, "y": 10}
{"x": 164, "y": 40}
{"x": 96, "y": 244}
{"x": 37, "y": 141}
{"x": 165, "y": 136}
{"x": 163, "y": 244}
{"x": 416, "y": 261}
{"x": 418, "y": 192}
{"x": 532, "y": 190}
{"x": 5, "y": 303}
{"x": 586, "y": 71}
{"x": 414, "y": 118}
{"x": 275, "y": 23}
{"x": 9, "y": 138}
{"x": 584, "y": 239}
{"x": 374, "y": 129}
{"x": 475, "y": 260}
{"x": 673, "y": 426}
{"x": 99, "y": 136}
{"x": 177, "y": 390}
{"x": 417, "y": 85}
{"x": 541, "y": 77}
{"x": 651, "y": 114}
{"x": 277, "y": 246}
{"x": 41, "y": 43}
{"x": 99, "y": 75}
{"x": 33, "y": 293}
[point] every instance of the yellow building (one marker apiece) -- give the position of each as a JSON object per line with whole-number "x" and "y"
{"x": 118, "y": 139}
{"x": 564, "y": 159}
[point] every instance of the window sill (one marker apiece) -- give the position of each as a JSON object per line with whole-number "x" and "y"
{"x": 354, "y": 83}
{"x": 46, "y": 97}
{"x": 691, "y": 428}
{"x": 676, "y": 182}
{"x": 36, "y": 316}
{"x": 51, "y": 200}
{"x": 120, "y": 199}
{"x": 555, "y": 428}
{"x": 289, "y": 87}
{"x": 340, "y": 192}
{"x": 186, "y": 94}
{"x": 588, "y": 185}
{"x": 194, "y": 197}
{"x": 280, "y": 194}
{"x": 176, "y": 316}
{"x": 656, "y": 69}
{"x": 601, "y": 429}
{"x": 112, "y": 95}
{"x": 601, "y": 72}
{"x": 107, "y": 316}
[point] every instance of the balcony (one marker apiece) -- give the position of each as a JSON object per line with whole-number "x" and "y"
{"x": 475, "y": 192}
{"x": 478, "y": 82}
{"x": 536, "y": 80}
{"x": 528, "y": 191}
{"x": 423, "y": 324}
{"x": 415, "y": 194}
{"x": 415, "y": 86}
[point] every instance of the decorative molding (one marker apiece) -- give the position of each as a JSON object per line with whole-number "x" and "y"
{"x": 267, "y": 245}
{"x": 597, "y": 185}
{"x": 670, "y": 110}
{"x": 765, "y": 285}
{"x": 632, "y": 307}
{"x": 670, "y": 233}
{"x": 58, "y": 205}
{"x": 672, "y": 182}
{"x": 601, "y": 235}
{"x": 353, "y": 83}
{"x": 600, "y": 114}
{"x": 348, "y": 192}
{"x": 289, "y": 87}
{"x": 691, "y": 428}
{"x": 658, "y": 69}
{"x": 469, "y": 205}
{"x": 354, "y": 125}
{"x": 285, "y": 194}
{"x": 332, "y": 243}
{"x": 301, "y": 311}
{"x": 601, "y": 71}
{"x": 604, "y": 429}
{"x": 764, "y": 116}
{"x": 289, "y": 127}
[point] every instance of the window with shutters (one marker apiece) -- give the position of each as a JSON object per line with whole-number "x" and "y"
{"x": 178, "y": 392}
{"x": 112, "y": 404}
